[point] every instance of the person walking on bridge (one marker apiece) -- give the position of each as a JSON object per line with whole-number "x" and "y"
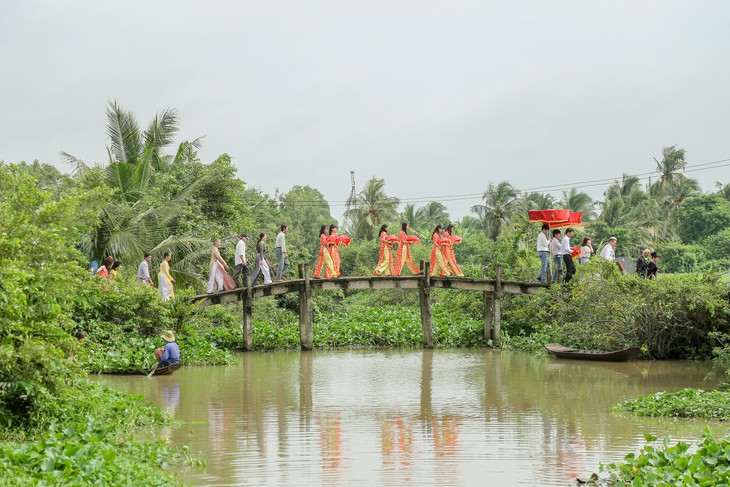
{"x": 262, "y": 265}
{"x": 281, "y": 254}
{"x": 438, "y": 261}
{"x": 403, "y": 255}
{"x": 240, "y": 259}
{"x": 217, "y": 268}
{"x": 385, "y": 260}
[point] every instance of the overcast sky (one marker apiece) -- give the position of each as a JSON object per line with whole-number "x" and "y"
{"x": 437, "y": 97}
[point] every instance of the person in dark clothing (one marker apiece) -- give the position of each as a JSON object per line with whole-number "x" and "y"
{"x": 652, "y": 267}
{"x": 170, "y": 353}
{"x": 642, "y": 265}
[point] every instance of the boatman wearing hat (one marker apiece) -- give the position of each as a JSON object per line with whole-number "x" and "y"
{"x": 170, "y": 353}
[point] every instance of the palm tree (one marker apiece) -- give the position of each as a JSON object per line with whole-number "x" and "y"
{"x": 369, "y": 209}
{"x": 500, "y": 204}
{"x": 672, "y": 161}
{"x": 578, "y": 202}
{"x": 132, "y": 222}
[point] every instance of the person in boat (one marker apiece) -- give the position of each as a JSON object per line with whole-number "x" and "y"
{"x": 438, "y": 260}
{"x": 543, "y": 251}
{"x": 170, "y": 352}
{"x": 403, "y": 255}
{"x": 385, "y": 259}
{"x": 448, "y": 251}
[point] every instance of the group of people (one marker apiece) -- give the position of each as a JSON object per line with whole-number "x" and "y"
{"x": 562, "y": 253}
{"x": 328, "y": 257}
{"x": 220, "y": 280}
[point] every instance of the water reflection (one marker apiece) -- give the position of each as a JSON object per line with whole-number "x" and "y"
{"x": 414, "y": 417}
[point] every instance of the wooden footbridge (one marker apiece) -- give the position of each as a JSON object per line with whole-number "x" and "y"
{"x": 492, "y": 290}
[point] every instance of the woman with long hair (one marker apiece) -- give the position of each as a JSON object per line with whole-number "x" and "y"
{"x": 324, "y": 258}
{"x": 385, "y": 260}
{"x": 448, "y": 250}
{"x": 165, "y": 279}
{"x": 438, "y": 262}
{"x": 403, "y": 255}
{"x": 262, "y": 265}
{"x": 586, "y": 249}
{"x": 333, "y": 242}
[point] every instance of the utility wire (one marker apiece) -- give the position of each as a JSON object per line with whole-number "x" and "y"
{"x": 537, "y": 189}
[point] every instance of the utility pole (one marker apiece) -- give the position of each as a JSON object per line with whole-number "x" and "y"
{"x": 350, "y": 201}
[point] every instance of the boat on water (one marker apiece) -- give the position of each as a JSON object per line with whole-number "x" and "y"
{"x": 165, "y": 369}
{"x": 574, "y": 353}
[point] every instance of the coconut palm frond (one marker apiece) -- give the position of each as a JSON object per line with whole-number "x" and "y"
{"x": 79, "y": 166}
{"x": 123, "y": 131}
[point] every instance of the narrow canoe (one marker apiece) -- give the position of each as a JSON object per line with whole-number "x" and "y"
{"x": 616, "y": 356}
{"x": 166, "y": 369}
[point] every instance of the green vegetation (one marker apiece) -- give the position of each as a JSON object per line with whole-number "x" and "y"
{"x": 146, "y": 200}
{"x": 671, "y": 465}
{"x": 689, "y": 403}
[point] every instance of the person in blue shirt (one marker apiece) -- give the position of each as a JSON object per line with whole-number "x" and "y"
{"x": 170, "y": 353}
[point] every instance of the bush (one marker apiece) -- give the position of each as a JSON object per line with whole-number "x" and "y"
{"x": 672, "y": 317}
{"x": 677, "y": 257}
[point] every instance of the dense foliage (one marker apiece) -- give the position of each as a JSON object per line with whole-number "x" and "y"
{"x": 707, "y": 464}
{"x": 689, "y": 403}
{"x": 672, "y": 317}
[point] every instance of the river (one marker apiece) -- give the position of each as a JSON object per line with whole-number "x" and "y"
{"x": 443, "y": 417}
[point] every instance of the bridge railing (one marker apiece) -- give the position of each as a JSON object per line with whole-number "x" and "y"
{"x": 491, "y": 289}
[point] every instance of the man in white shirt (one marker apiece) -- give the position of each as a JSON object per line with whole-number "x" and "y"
{"x": 543, "y": 251}
{"x": 555, "y": 251}
{"x": 240, "y": 258}
{"x": 143, "y": 271}
{"x": 281, "y": 253}
{"x": 609, "y": 251}
{"x": 567, "y": 257}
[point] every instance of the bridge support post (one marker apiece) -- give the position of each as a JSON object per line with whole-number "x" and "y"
{"x": 497, "y": 298}
{"x": 247, "y": 300}
{"x": 306, "y": 336}
{"x": 487, "y": 309}
{"x": 424, "y": 298}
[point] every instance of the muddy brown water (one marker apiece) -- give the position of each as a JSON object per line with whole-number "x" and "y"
{"x": 444, "y": 417}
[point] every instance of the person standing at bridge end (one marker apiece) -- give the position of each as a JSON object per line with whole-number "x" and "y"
{"x": 543, "y": 251}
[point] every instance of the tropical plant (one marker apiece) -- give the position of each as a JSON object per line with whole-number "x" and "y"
{"x": 369, "y": 209}
{"x": 672, "y": 161}
{"x": 500, "y": 204}
{"x": 424, "y": 219}
{"x": 578, "y": 202}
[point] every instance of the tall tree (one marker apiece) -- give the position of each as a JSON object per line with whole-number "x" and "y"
{"x": 370, "y": 208}
{"x": 137, "y": 219}
{"x": 575, "y": 201}
{"x": 500, "y": 203}
{"x": 305, "y": 209}
{"x": 672, "y": 161}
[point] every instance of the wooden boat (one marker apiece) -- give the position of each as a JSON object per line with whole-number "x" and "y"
{"x": 574, "y": 353}
{"x": 166, "y": 369}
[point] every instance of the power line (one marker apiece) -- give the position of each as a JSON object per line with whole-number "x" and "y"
{"x": 537, "y": 189}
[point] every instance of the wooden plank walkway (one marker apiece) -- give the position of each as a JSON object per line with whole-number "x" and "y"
{"x": 491, "y": 289}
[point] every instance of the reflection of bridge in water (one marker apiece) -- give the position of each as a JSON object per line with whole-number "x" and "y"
{"x": 492, "y": 290}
